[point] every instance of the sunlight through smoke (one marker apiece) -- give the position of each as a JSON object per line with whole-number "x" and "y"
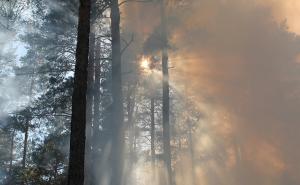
{"x": 145, "y": 63}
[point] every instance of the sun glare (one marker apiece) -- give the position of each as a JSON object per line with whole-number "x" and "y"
{"x": 145, "y": 63}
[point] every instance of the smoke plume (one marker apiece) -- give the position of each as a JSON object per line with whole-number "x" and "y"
{"x": 239, "y": 59}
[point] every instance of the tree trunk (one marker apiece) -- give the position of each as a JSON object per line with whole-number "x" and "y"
{"x": 78, "y": 119}
{"x": 117, "y": 104}
{"x": 191, "y": 147}
{"x": 130, "y": 101}
{"x": 152, "y": 133}
{"x": 97, "y": 92}
{"x": 90, "y": 94}
{"x": 166, "y": 98}
{"x": 130, "y": 110}
{"x": 96, "y": 155}
{"x": 25, "y": 143}
{"x": 89, "y": 106}
{"x": 12, "y": 143}
{"x": 27, "y": 123}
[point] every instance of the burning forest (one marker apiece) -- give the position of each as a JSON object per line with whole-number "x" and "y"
{"x": 149, "y": 92}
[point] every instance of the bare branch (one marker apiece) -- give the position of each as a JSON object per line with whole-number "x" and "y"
{"x": 127, "y": 43}
{"x": 135, "y": 1}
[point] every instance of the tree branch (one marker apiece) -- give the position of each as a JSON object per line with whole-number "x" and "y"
{"x": 127, "y": 43}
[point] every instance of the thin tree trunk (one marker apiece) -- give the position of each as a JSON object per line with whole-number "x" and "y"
{"x": 130, "y": 107}
{"x": 27, "y": 123}
{"x": 78, "y": 119}
{"x": 117, "y": 104}
{"x": 239, "y": 161}
{"x": 152, "y": 133}
{"x": 55, "y": 168}
{"x": 25, "y": 143}
{"x": 11, "y": 151}
{"x": 166, "y": 119}
{"x": 130, "y": 100}
{"x": 166, "y": 96}
{"x": 191, "y": 147}
{"x": 96, "y": 155}
{"x": 97, "y": 92}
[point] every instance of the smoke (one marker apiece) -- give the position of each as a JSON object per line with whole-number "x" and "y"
{"x": 245, "y": 62}
{"x": 285, "y": 11}
{"x": 11, "y": 98}
{"x": 239, "y": 61}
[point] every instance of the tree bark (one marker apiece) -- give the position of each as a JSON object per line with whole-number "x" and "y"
{"x": 117, "y": 104}
{"x": 78, "y": 119}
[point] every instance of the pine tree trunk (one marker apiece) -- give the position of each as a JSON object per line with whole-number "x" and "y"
{"x": 166, "y": 96}
{"x": 191, "y": 147}
{"x": 97, "y": 92}
{"x": 130, "y": 101}
{"x": 12, "y": 143}
{"x": 78, "y": 119}
{"x": 25, "y": 143}
{"x": 89, "y": 108}
{"x": 27, "y": 123}
{"x": 130, "y": 124}
{"x": 117, "y": 104}
{"x": 152, "y": 133}
{"x": 166, "y": 120}
{"x": 90, "y": 94}
{"x": 96, "y": 124}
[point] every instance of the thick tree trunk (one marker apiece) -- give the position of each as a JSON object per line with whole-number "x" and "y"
{"x": 166, "y": 96}
{"x": 117, "y": 104}
{"x": 90, "y": 94}
{"x": 89, "y": 108}
{"x": 78, "y": 119}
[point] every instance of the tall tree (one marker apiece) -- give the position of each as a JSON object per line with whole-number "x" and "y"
{"x": 27, "y": 124}
{"x": 90, "y": 96}
{"x": 78, "y": 119}
{"x": 191, "y": 150}
{"x": 166, "y": 95}
{"x": 152, "y": 132}
{"x": 117, "y": 104}
{"x": 152, "y": 119}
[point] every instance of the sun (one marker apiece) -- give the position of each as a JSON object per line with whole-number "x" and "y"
{"x": 145, "y": 63}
